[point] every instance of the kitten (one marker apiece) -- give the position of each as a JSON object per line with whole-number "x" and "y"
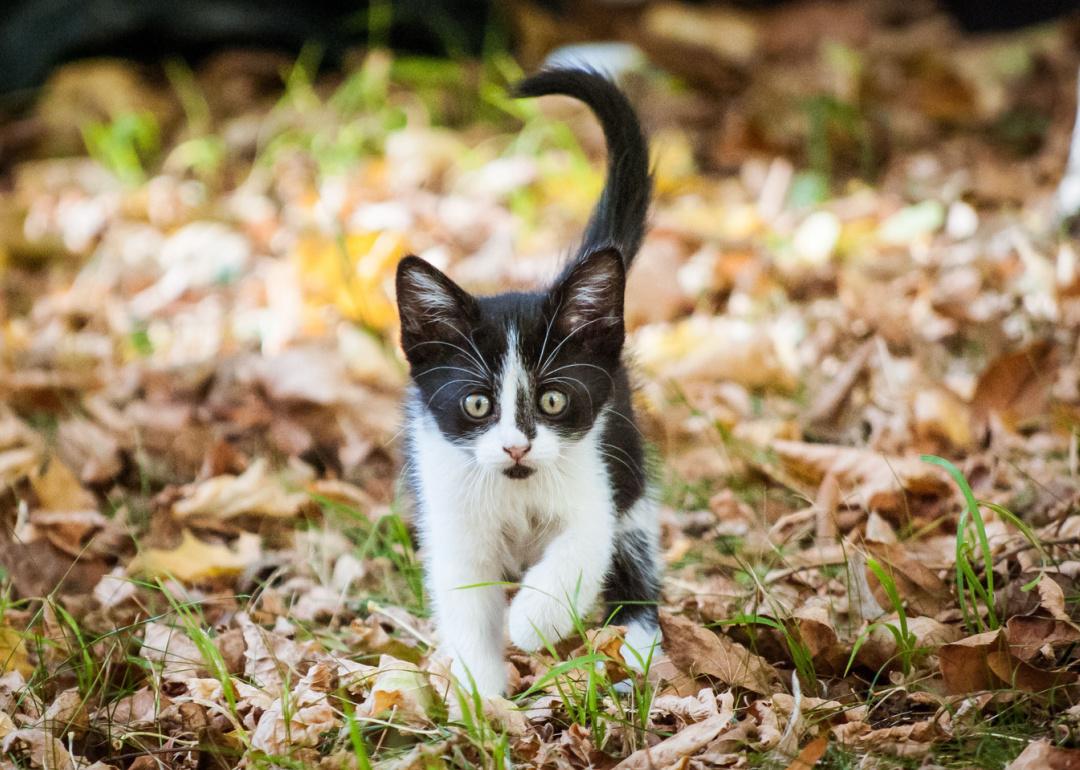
{"x": 524, "y": 458}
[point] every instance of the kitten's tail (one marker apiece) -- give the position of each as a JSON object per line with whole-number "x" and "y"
{"x": 619, "y": 217}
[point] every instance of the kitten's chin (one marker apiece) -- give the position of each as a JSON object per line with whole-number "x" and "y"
{"x": 518, "y": 471}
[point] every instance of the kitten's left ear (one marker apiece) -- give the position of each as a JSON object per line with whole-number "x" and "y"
{"x": 588, "y": 299}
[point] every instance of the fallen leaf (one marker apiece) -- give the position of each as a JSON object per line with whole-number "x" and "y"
{"x": 1015, "y": 387}
{"x": 1024, "y": 676}
{"x": 271, "y": 658}
{"x": 353, "y": 274}
{"x": 713, "y": 348}
{"x": 255, "y": 491}
{"x": 1053, "y": 598}
{"x": 14, "y": 655}
{"x": 57, "y": 489}
{"x": 810, "y": 754}
{"x": 684, "y": 743}
{"x": 919, "y": 586}
{"x": 1043, "y": 755}
{"x": 38, "y": 749}
{"x": 878, "y": 481}
{"x": 400, "y": 692}
{"x": 299, "y": 718}
{"x": 700, "y": 652}
{"x": 1029, "y": 635}
{"x": 174, "y": 654}
{"x": 964, "y": 665}
{"x": 194, "y": 559}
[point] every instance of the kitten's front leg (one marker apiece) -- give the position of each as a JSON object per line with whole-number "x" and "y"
{"x": 469, "y": 614}
{"x": 567, "y": 580}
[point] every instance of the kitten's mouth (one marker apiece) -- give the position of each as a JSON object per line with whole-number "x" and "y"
{"x": 518, "y": 471}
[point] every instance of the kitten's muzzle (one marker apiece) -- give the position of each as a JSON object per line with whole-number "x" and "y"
{"x": 518, "y": 470}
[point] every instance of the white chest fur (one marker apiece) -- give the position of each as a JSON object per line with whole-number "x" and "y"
{"x": 478, "y": 528}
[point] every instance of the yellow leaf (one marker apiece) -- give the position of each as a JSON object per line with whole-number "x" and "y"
{"x": 354, "y": 274}
{"x": 13, "y": 653}
{"x": 58, "y": 489}
{"x": 195, "y": 559}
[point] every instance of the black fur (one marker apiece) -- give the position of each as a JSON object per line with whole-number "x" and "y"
{"x": 571, "y": 335}
{"x": 619, "y": 217}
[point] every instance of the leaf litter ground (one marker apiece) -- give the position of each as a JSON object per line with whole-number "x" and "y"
{"x": 204, "y": 560}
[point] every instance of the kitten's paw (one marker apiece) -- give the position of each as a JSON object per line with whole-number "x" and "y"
{"x": 537, "y": 619}
{"x": 641, "y": 645}
{"x": 486, "y": 678}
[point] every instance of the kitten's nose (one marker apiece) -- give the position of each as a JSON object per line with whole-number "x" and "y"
{"x": 518, "y": 451}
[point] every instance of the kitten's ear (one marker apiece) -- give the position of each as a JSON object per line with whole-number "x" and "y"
{"x": 431, "y": 308}
{"x": 588, "y": 299}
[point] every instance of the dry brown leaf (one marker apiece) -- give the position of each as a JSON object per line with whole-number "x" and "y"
{"x": 1043, "y": 755}
{"x": 271, "y": 658}
{"x": 830, "y": 400}
{"x": 1029, "y": 635}
{"x": 924, "y": 592}
{"x": 910, "y": 740}
{"x": 66, "y": 715}
{"x": 984, "y": 662}
{"x": 37, "y": 749}
{"x": 90, "y": 449}
{"x": 810, "y": 754}
{"x": 300, "y": 717}
{"x": 1015, "y": 387}
{"x": 688, "y": 709}
{"x": 700, "y": 652}
{"x": 964, "y": 665}
{"x": 1052, "y": 598}
{"x": 400, "y": 692}
{"x": 255, "y": 491}
{"x": 172, "y": 652}
{"x": 877, "y": 481}
{"x": 1019, "y": 675}
{"x": 194, "y": 560}
{"x": 940, "y": 416}
{"x": 684, "y": 743}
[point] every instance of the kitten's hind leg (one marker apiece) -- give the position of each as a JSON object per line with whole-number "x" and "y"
{"x": 632, "y": 588}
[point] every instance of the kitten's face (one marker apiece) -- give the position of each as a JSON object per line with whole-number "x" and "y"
{"x": 513, "y": 379}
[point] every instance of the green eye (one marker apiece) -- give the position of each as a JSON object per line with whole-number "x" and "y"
{"x": 553, "y": 402}
{"x": 476, "y": 405}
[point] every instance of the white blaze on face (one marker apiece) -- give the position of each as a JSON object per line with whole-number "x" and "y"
{"x": 513, "y": 379}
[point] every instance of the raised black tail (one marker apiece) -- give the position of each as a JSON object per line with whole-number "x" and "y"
{"x": 619, "y": 217}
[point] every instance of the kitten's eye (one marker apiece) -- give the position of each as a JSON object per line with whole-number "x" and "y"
{"x": 476, "y": 405}
{"x": 553, "y": 402}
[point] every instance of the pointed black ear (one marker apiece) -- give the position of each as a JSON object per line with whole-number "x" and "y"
{"x": 588, "y": 299}
{"x": 432, "y": 308}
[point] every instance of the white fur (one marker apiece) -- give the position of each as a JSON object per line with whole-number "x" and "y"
{"x": 430, "y": 293}
{"x": 505, "y": 433}
{"x": 554, "y": 529}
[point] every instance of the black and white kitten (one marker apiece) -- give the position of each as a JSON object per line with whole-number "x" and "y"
{"x": 523, "y": 454}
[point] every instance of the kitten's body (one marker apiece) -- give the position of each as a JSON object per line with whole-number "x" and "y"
{"x": 554, "y": 500}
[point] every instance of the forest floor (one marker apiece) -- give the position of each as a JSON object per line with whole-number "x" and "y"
{"x": 853, "y": 268}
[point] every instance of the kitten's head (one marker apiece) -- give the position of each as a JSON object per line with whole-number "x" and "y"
{"x": 514, "y": 378}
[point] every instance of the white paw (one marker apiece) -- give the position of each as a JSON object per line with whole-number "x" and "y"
{"x": 485, "y": 677}
{"x": 537, "y": 619}
{"x": 641, "y": 645}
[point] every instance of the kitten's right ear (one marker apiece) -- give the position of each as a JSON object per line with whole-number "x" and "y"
{"x": 431, "y": 307}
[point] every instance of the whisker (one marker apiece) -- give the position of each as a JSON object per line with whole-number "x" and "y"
{"x": 566, "y": 339}
{"x": 600, "y": 369}
{"x": 447, "y": 384}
